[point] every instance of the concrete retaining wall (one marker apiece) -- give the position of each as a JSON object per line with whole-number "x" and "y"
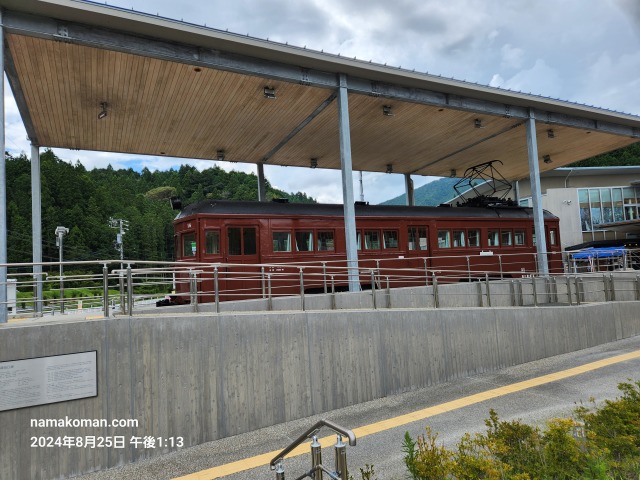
{"x": 207, "y": 376}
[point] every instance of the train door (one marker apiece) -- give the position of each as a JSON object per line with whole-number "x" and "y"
{"x": 242, "y": 277}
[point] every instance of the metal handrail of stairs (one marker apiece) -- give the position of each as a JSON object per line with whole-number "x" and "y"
{"x": 317, "y": 469}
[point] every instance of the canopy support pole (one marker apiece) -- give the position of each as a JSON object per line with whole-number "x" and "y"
{"x": 36, "y": 227}
{"x": 408, "y": 183}
{"x": 347, "y": 185}
{"x": 262, "y": 195}
{"x": 4, "y": 308}
{"x": 536, "y": 194}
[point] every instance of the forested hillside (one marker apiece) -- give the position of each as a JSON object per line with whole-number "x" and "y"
{"x": 84, "y": 201}
{"x": 432, "y": 194}
{"x": 628, "y": 156}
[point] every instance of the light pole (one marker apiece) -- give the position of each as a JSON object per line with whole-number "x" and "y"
{"x": 60, "y": 233}
{"x": 123, "y": 226}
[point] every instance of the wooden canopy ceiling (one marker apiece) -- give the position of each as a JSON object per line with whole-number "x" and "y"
{"x": 163, "y": 99}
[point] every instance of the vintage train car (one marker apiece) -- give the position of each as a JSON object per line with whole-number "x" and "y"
{"x": 402, "y": 243}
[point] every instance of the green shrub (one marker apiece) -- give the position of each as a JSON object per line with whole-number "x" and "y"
{"x": 600, "y": 444}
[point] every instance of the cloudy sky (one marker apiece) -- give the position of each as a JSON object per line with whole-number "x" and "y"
{"x": 585, "y": 51}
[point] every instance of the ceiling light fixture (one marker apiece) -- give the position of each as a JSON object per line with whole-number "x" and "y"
{"x": 389, "y": 168}
{"x": 269, "y": 92}
{"x": 386, "y": 111}
{"x": 452, "y": 173}
{"x": 220, "y": 154}
{"x": 478, "y": 123}
{"x": 313, "y": 163}
{"x": 551, "y": 133}
{"x": 547, "y": 159}
{"x": 103, "y": 113}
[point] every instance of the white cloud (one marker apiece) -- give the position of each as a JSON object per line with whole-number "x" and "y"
{"x": 580, "y": 50}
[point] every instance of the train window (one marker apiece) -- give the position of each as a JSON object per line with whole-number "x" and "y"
{"x": 458, "y": 238}
{"x": 249, "y": 241}
{"x": 189, "y": 244}
{"x": 241, "y": 241}
{"x": 444, "y": 239}
{"x": 474, "y": 238}
{"x": 212, "y": 242}
{"x": 325, "y": 241}
{"x": 390, "y": 238}
{"x": 358, "y": 242}
{"x": 234, "y": 237}
{"x": 553, "y": 236}
{"x": 372, "y": 240}
{"x": 417, "y": 238}
{"x": 519, "y": 237}
{"x": 304, "y": 241}
{"x": 281, "y": 241}
{"x": 533, "y": 239}
{"x": 507, "y": 239}
{"x": 493, "y": 238}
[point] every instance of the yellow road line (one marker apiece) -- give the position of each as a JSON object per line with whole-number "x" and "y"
{"x": 265, "y": 458}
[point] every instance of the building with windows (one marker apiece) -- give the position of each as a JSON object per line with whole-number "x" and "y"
{"x": 593, "y": 203}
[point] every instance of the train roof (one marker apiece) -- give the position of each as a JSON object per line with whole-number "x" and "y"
{"x": 246, "y": 208}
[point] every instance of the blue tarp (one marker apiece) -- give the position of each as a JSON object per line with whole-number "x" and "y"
{"x": 602, "y": 252}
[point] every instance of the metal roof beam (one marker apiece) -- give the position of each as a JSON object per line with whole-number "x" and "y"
{"x": 105, "y": 38}
{"x": 564, "y": 120}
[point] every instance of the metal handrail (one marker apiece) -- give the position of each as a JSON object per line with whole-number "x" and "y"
{"x": 310, "y": 433}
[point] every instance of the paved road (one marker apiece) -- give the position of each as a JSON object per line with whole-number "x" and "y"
{"x": 541, "y": 398}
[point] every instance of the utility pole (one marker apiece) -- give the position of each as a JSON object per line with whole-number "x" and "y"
{"x": 122, "y": 226}
{"x": 361, "y": 188}
{"x": 60, "y": 233}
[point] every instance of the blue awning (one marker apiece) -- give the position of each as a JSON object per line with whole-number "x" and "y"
{"x": 603, "y": 252}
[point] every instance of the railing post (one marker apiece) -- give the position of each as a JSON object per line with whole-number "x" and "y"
{"x": 280, "y": 471}
{"x": 129, "y": 290}
{"x": 535, "y": 291}
{"x": 269, "y": 297}
{"x": 193, "y": 291}
{"x": 426, "y": 273}
{"x": 316, "y": 458}
{"x": 388, "y": 294}
{"x": 637, "y": 287}
{"x": 569, "y": 291}
{"x": 324, "y": 276}
{"x": 301, "y": 289}
{"x": 61, "y": 291}
{"x": 519, "y": 292}
{"x": 121, "y": 285}
{"x": 434, "y": 283}
{"x": 373, "y": 290}
{"x": 500, "y": 263}
{"x": 486, "y": 280}
{"x": 333, "y": 293}
{"x": 105, "y": 289}
{"x": 577, "y": 290}
{"x": 605, "y": 287}
{"x": 262, "y": 282}
{"x": 512, "y": 291}
{"x": 468, "y": 268}
{"x": 612, "y": 286}
{"x": 341, "y": 459}
{"x": 480, "y": 302}
{"x": 216, "y": 288}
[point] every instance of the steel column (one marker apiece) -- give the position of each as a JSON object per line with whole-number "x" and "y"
{"x": 36, "y": 227}
{"x": 408, "y": 185}
{"x": 347, "y": 185}
{"x": 3, "y": 190}
{"x": 262, "y": 190}
{"x": 536, "y": 195}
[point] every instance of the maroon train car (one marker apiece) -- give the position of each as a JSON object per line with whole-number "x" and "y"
{"x": 404, "y": 243}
